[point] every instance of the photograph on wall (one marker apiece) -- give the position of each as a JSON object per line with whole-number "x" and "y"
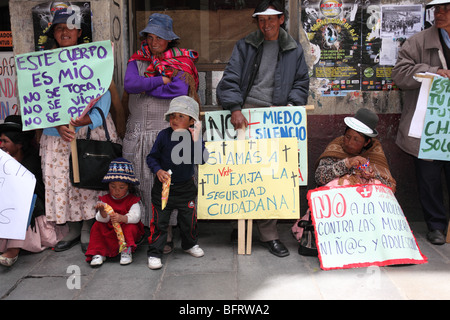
{"x": 43, "y": 16}
{"x": 333, "y": 29}
{"x": 401, "y": 21}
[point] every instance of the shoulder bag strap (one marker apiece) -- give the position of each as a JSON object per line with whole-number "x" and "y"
{"x": 88, "y": 134}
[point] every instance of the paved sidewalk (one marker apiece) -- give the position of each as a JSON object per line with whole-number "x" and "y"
{"x": 222, "y": 274}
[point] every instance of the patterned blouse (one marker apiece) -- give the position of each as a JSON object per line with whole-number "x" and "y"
{"x": 331, "y": 168}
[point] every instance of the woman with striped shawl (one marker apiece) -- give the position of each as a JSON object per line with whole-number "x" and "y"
{"x": 158, "y": 72}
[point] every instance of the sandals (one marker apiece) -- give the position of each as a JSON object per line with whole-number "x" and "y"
{"x": 168, "y": 248}
{"x": 8, "y": 262}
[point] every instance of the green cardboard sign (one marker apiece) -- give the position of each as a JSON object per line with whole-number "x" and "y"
{"x": 57, "y": 85}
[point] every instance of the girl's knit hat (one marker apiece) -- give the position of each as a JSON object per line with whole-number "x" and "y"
{"x": 121, "y": 169}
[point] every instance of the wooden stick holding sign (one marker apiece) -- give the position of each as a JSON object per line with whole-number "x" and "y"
{"x": 74, "y": 151}
{"x": 245, "y": 245}
{"x": 242, "y": 247}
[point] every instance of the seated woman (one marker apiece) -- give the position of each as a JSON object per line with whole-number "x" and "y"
{"x": 353, "y": 158}
{"x": 41, "y": 234}
{"x": 356, "y": 157}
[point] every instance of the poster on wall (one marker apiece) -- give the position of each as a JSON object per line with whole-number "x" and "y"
{"x": 385, "y": 28}
{"x": 43, "y": 16}
{"x": 333, "y": 29}
{"x": 8, "y": 86}
{"x": 376, "y": 64}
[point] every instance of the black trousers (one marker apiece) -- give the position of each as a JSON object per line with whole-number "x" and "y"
{"x": 182, "y": 197}
{"x": 429, "y": 182}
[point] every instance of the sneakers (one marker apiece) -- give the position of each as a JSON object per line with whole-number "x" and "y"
{"x": 154, "y": 263}
{"x": 97, "y": 260}
{"x": 195, "y": 251}
{"x": 125, "y": 258}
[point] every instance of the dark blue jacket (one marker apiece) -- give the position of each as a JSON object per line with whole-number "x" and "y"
{"x": 291, "y": 83}
{"x": 177, "y": 153}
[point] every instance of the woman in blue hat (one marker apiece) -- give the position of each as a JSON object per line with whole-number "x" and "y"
{"x": 158, "y": 72}
{"x": 127, "y": 212}
{"x": 66, "y": 204}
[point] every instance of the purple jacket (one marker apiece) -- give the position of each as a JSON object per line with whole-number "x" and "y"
{"x": 153, "y": 86}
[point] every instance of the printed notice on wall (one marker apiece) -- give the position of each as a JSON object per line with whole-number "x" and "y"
{"x": 57, "y": 85}
{"x": 249, "y": 179}
{"x": 360, "y": 226}
{"x": 8, "y": 87}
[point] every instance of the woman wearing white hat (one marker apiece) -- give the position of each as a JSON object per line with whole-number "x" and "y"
{"x": 426, "y": 51}
{"x": 353, "y": 158}
{"x": 356, "y": 157}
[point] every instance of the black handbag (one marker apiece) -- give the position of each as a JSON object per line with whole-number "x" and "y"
{"x": 94, "y": 158}
{"x": 307, "y": 243}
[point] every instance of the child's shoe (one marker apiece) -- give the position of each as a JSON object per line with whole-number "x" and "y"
{"x": 154, "y": 263}
{"x": 97, "y": 260}
{"x": 125, "y": 258}
{"x": 195, "y": 251}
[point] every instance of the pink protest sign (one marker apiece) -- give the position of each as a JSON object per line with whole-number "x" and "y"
{"x": 361, "y": 226}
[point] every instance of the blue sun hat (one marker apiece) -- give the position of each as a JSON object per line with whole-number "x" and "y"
{"x": 122, "y": 170}
{"x": 160, "y": 25}
{"x": 63, "y": 16}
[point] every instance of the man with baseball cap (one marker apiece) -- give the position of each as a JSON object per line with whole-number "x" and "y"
{"x": 267, "y": 68}
{"x": 426, "y": 51}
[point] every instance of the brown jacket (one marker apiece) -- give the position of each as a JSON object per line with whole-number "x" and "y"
{"x": 420, "y": 53}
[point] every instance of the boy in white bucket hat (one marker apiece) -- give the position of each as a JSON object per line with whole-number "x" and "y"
{"x": 426, "y": 51}
{"x": 177, "y": 149}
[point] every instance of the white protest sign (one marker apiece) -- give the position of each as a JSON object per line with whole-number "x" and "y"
{"x": 16, "y": 195}
{"x": 360, "y": 226}
{"x": 265, "y": 123}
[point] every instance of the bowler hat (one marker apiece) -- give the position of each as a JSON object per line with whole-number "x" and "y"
{"x": 12, "y": 127}
{"x": 12, "y": 123}
{"x": 364, "y": 121}
{"x": 160, "y": 25}
{"x": 437, "y": 2}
